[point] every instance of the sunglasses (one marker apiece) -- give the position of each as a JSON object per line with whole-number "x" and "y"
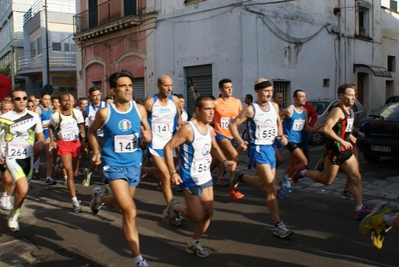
{"x": 30, "y": 106}
{"x": 24, "y": 98}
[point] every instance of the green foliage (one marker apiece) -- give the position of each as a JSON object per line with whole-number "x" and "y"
{"x": 6, "y": 70}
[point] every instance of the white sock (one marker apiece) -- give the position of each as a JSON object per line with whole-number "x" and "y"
{"x": 36, "y": 165}
{"x": 303, "y": 172}
{"x": 194, "y": 241}
{"x": 358, "y": 207}
{"x": 137, "y": 259}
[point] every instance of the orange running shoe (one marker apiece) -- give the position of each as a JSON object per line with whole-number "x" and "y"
{"x": 234, "y": 193}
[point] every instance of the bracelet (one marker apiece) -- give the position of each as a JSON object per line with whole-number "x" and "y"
{"x": 171, "y": 175}
{"x": 279, "y": 136}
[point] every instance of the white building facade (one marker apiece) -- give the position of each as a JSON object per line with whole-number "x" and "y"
{"x": 309, "y": 45}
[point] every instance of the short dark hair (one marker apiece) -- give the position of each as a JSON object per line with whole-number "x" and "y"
{"x": 45, "y": 93}
{"x": 223, "y": 81}
{"x": 61, "y": 95}
{"x": 94, "y": 88}
{"x": 249, "y": 96}
{"x": 109, "y": 97}
{"x": 16, "y": 90}
{"x": 342, "y": 88}
{"x": 116, "y": 75}
{"x": 82, "y": 98}
{"x": 297, "y": 91}
{"x": 54, "y": 97}
{"x": 199, "y": 101}
{"x": 179, "y": 95}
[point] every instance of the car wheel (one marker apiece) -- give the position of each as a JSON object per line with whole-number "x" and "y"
{"x": 371, "y": 159}
{"x": 317, "y": 139}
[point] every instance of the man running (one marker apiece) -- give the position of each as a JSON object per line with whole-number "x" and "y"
{"x": 265, "y": 126}
{"x": 90, "y": 114}
{"x": 20, "y": 127}
{"x": 7, "y": 183}
{"x": 338, "y": 149}
{"x": 68, "y": 124}
{"x": 125, "y": 125}
{"x": 164, "y": 117}
{"x": 44, "y": 111}
{"x": 195, "y": 139}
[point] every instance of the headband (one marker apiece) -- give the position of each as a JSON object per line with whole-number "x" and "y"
{"x": 263, "y": 85}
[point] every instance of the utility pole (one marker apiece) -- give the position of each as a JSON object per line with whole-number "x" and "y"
{"x": 12, "y": 69}
{"x": 47, "y": 45}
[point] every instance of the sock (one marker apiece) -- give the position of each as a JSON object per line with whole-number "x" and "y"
{"x": 277, "y": 224}
{"x": 36, "y": 165}
{"x": 194, "y": 241}
{"x": 17, "y": 211}
{"x": 66, "y": 177}
{"x": 89, "y": 174}
{"x": 358, "y": 207}
{"x": 303, "y": 172}
{"x": 389, "y": 218}
{"x": 75, "y": 200}
{"x": 137, "y": 259}
{"x": 48, "y": 178}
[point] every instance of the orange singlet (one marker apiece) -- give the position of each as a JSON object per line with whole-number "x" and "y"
{"x": 224, "y": 113}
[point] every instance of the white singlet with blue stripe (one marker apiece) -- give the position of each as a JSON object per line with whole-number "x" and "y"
{"x": 263, "y": 125}
{"x": 195, "y": 158}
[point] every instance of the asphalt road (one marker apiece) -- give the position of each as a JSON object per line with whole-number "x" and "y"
{"x": 325, "y": 232}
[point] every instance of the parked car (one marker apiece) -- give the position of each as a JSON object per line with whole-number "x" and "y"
{"x": 392, "y": 99}
{"x": 381, "y": 133}
{"x": 323, "y": 107}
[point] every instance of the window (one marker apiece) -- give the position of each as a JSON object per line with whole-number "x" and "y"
{"x": 33, "y": 49}
{"x": 39, "y": 45}
{"x": 130, "y": 7}
{"x": 56, "y": 46}
{"x": 391, "y": 64}
{"x": 282, "y": 87}
{"x": 363, "y": 28}
{"x": 66, "y": 47}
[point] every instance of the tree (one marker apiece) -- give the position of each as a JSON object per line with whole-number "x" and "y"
{"x": 6, "y": 70}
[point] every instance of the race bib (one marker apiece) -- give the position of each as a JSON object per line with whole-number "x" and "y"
{"x": 225, "y": 122}
{"x": 162, "y": 127}
{"x": 66, "y": 135}
{"x": 126, "y": 143}
{"x": 19, "y": 150}
{"x": 349, "y": 127}
{"x": 203, "y": 165}
{"x": 266, "y": 132}
{"x": 298, "y": 125}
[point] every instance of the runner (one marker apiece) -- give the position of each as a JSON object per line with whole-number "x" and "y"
{"x": 196, "y": 138}
{"x": 264, "y": 128}
{"x": 20, "y": 127}
{"x": 90, "y": 114}
{"x": 44, "y": 111}
{"x": 124, "y": 125}
{"x": 164, "y": 117}
{"x": 68, "y": 124}
{"x": 7, "y": 183}
{"x": 338, "y": 150}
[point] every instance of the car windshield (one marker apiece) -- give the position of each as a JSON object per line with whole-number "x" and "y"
{"x": 319, "y": 106}
{"x": 387, "y": 112}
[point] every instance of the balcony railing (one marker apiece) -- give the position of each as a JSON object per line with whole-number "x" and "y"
{"x": 107, "y": 12}
{"x": 64, "y": 6}
{"x": 56, "y": 61}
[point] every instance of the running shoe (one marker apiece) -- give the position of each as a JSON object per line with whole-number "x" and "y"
{"x": 159, "y": 185}
{"x": 196, "y": 248}
{"x": 108, "y": 191}
{"x": 281, "y": 231}
{"x": 76, "y": 206}
{"x": 36, "y": 176}
{"x": 362, "y": 213}
{"x": 297, "y": 172}
{"x": 319, "y": 165}
{"x": 50, "y": 181}
{"x": 346, "y": 195}
{"x": 178, "y": 220}
{"x": 13, "y": 221}
{"x": 286, "y": 184}
{"x": 87, "y": 177}
{"x": 96, "y": 203}
{"x": 237, "y": 178}
{"x": 169, "y": 214}
{"x": 142, "y": 263}
{"x": 377, "y": 237}
{"x": 281, "y": 194}
{"x": 5, "y": 203}
{"x": 222, "y": 182}
{"x": 235, "y": 194}
{"x": 374, "y": 219}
